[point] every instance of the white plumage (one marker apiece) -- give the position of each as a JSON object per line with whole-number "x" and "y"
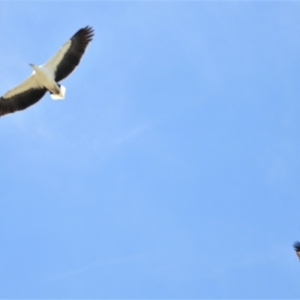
{"x": 47, "y": 76}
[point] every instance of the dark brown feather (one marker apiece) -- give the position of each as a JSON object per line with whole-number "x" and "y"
{"x": 297, "y": 246}
{"x": 71, "y": 59}
{"x": 20, "y": 101}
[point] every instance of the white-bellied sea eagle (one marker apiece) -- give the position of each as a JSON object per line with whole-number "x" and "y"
{"x": 47, "y": 76}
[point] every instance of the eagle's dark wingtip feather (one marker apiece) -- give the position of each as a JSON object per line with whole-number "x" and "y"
{"x": 79, "y": 42}
{"x": 297, "y": 246}
{"x": 85, "y": 34}
{"x": 89, "y": 32}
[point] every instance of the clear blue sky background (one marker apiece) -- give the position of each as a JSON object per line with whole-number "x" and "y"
{"x": 171, "y": 169}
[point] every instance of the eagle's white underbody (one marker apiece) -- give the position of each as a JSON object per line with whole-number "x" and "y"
{"x": 44, "y": 77}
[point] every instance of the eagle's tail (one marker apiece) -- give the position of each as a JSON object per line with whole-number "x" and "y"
{"x": 60, "y": 95}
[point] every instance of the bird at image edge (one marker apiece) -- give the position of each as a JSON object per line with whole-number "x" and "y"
{"x": 47, "y": 76}
{"x": 297, "y": 248}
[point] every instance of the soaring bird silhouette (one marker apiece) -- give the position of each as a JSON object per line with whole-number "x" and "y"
{"x": 47, "y": 76}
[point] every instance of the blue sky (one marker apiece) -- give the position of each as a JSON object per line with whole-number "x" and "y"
{"x": 171, "y": 169}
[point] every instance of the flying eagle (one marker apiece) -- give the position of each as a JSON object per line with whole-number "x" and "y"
{"x": 297, "y": 248}
{"x": 46, "y": 77}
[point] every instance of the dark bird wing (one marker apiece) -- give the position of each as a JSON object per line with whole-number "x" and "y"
{"x": 22, "y": 96}
{"x": 297, "y": 248}
{"x": 68, "y": 56}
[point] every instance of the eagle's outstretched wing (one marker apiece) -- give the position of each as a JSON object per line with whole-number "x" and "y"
{"x": 68, "y": 56}
{"x": 25, "y": 94}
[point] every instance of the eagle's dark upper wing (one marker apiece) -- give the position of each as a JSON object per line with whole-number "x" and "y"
{"x": 22, "y": 96}
{"x": 69, "y": 55}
